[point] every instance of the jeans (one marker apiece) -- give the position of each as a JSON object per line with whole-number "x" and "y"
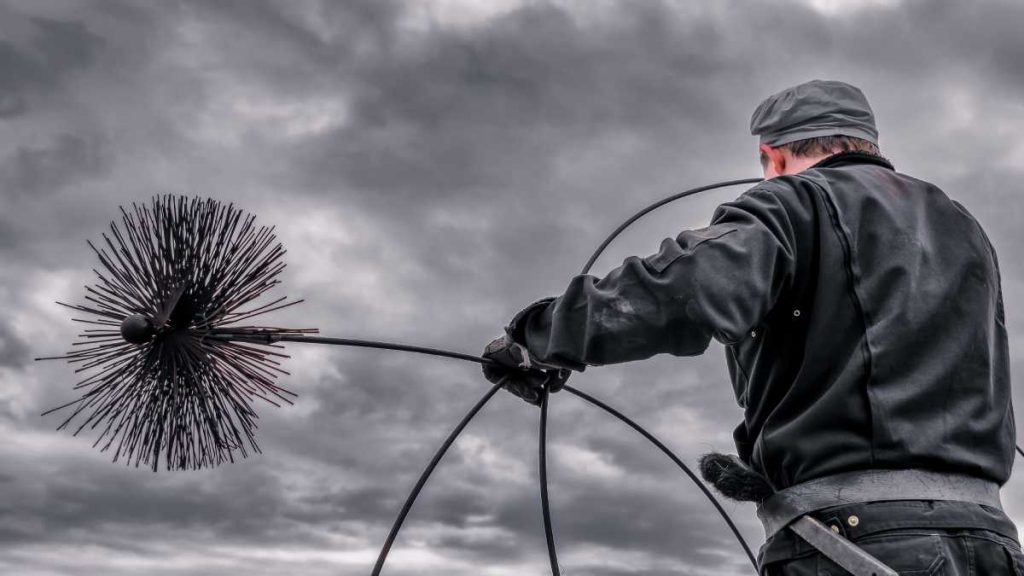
{"x": 917, "y": 538}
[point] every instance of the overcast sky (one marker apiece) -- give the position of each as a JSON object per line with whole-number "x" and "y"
{"x": 432, "y": 166}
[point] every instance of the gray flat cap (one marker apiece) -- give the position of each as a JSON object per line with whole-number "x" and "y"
{"x": 815, "y": 108}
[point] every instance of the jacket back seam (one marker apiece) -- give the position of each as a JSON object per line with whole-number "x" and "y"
{"x": 843, "y": 235}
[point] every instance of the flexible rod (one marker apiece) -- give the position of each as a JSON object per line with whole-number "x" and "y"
{"x": 270, "y": 338}
{"x": 545, "y": 507}
{"x": 682, "y": 466}
{"x": 437, "y": 457}
{"x": 411, "y": 498}
{"x": 652, "y": 207}
{"x": 549, "y": 533}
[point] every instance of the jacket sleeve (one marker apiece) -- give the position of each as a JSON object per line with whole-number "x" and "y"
{"x": 718, "y": 282}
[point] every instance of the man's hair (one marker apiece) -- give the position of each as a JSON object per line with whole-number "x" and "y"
{"x": 827, "y": 145}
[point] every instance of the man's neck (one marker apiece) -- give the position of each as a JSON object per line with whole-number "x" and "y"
{"x": 797, "y": 164}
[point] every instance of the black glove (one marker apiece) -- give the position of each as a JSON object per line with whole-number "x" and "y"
{"x": 522, "y": 375}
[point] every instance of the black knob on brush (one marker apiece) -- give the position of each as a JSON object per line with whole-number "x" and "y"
{"x": 137, "y": 329}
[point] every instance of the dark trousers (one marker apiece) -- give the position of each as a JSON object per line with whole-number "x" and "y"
{"x": 923, "y": 553}
{"x": 919, "y": 538}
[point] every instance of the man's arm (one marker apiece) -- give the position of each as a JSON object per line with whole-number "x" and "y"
{"x": 718, "y": 281}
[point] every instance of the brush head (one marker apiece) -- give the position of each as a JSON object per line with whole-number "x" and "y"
{"x": 166, "y": 381}
{"x": 733, "y": 478}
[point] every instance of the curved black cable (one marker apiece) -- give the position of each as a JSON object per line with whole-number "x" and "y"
{"x": 549, "y": 533}
{"x": 586, "y": 269}
{"x": 674, "y": 458}
{"x": 545, "y": 508}
{"x": 427, "y": 472}
{"x": 270, "y": 338}
{"x": 543, "y": 457}
{"x": 655, "y": 206}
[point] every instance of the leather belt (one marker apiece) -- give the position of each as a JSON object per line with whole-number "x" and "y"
{"x": 785, "y": 506}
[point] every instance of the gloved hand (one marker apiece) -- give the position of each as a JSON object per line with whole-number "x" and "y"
{"x": 522, "y": 375}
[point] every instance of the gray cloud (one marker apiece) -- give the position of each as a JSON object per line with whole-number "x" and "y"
{"x": 430, "y": 173}
{"x": 13, "y": 350}
{"x": 44, "y": 171}
{"x": 469, "y": 111}
{"x": 64, "y": 46}
{"x": 56, "y": 49}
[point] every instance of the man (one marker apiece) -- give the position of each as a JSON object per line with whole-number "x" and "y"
{"x": 862, "y": 319}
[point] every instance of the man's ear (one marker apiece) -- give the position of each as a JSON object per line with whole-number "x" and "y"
{"x": 776, "y": 161}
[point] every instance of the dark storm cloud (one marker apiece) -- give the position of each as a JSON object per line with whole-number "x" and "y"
{"x": 487, "y": 108}
{"x": 470, "y": 168}
{"x": 13, "y": 350}
{"x": 306, "y": 37}
{"x": 46, "y": 170}
{"x": 64, "y": 46}
{"x": 8, "y": 235}
{"x": 119, "y": 499}
{"x": 56, "y": 49}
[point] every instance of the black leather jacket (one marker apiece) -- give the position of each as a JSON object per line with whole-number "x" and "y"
{"x": 861, "y": 313}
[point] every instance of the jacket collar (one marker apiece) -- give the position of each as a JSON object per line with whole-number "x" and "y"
{"x": 853, "y": 158}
